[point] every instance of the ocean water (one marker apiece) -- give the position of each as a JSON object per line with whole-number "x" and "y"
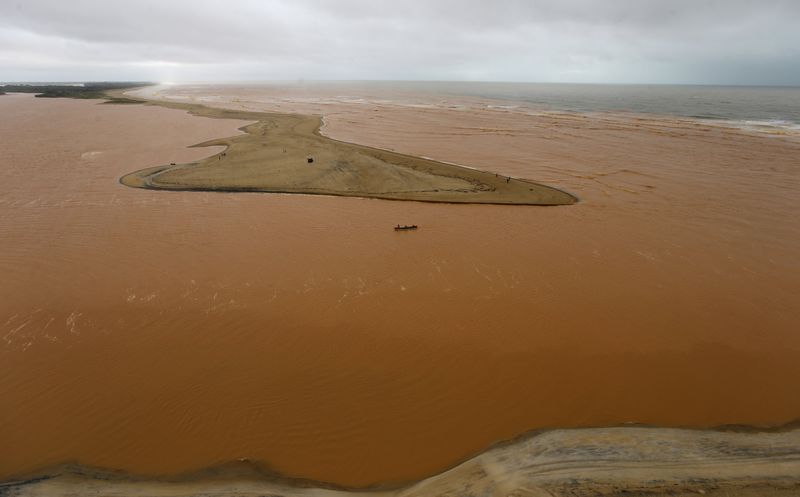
{"x": 736, "y": 103}
{"x": 758, "y": 108}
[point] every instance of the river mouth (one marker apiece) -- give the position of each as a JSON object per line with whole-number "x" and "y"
{"x": 161, "y": 332}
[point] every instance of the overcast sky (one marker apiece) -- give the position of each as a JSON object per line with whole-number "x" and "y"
{"x": 602, "y": 41}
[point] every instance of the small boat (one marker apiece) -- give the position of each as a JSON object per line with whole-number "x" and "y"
{"x": 405, "y": 227}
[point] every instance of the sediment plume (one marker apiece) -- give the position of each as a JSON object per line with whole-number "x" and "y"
{"x": 158, "y": 332}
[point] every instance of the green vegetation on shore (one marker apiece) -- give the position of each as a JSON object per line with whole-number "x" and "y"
{"x": 86, "y": 90}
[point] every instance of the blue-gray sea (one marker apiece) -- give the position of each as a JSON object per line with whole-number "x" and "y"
{"x": 777, "y": 107}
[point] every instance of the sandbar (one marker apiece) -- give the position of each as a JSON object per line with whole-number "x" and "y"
{"x": 286, "y": 153}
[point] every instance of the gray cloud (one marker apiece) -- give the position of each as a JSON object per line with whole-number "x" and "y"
{"x": 647, "y": 41}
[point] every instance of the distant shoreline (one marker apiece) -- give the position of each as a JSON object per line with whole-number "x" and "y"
{"x": 91, "y": 90}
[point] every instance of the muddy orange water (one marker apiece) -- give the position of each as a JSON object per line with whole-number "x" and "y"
{"x": 162, "y": 332}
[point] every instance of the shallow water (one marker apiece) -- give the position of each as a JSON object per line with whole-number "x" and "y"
{"x": 161, "y": 332}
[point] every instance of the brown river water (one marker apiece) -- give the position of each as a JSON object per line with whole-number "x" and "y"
{"x": 164, "y": 332}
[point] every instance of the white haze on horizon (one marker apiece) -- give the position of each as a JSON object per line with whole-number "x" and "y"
{"x": 613, "y": 41}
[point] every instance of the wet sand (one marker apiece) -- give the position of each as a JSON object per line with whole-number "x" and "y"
{"x": 284, "y": 153}
{"x": 656, "y": 462}
{"x": 161, "y": 332}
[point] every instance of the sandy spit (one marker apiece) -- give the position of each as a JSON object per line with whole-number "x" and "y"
{"x": 285, "y": 153}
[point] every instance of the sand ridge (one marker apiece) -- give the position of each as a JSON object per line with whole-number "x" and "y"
{"x": 631, "y": 460}
{"x": 286, "y": 153}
